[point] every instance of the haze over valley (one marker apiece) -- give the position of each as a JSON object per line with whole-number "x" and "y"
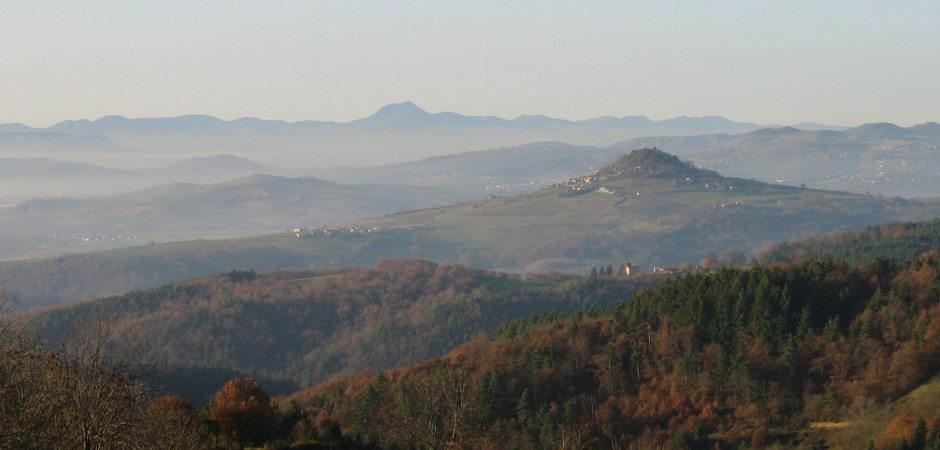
{"x": 72, "y": 187}
{"x": 469, "y": 225}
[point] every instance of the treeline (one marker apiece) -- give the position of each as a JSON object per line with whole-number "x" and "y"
{"x": 307, "y": 326}
{"x": 81, "y": 394}
{"x": 739, "y": 357}
{"x": 73, "y": 278}
{"x": 898, "y": 242}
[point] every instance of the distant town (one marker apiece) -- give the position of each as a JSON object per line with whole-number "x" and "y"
{"x": 334, "y": 231}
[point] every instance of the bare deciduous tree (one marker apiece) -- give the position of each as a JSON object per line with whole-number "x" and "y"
{"x": 99, "y": 399}
{"x": 442, "y": 410}
{"x": 78, "y": 396}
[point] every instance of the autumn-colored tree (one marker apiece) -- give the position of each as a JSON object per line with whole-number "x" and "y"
{"x": 243, "y": 411}
{"x": 901, "y": 429}
{"x": 172, "y": 423}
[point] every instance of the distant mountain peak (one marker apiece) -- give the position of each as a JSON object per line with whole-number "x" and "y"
{"x": 409, "y": 115}
{"x": 222, "y": 158}
{"x": 400, "y": 110}
{"x": 655, "y": 163}
{"x": 927, "y": 128}
{"x": 778, "y": 131}
{"x": 112, "y": 120}
{"x": 879, "y": 129}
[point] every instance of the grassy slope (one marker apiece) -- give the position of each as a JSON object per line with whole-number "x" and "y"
{"x": 649, "y": 205}
{"x": 922, "y": 401}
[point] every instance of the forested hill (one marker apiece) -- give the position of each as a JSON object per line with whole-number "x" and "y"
{"x": 899, "y": 243}
{"x": 306, "y": 326}
{"x": 752, "y": 357}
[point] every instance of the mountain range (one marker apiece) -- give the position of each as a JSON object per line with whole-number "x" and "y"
{"x": 397, "y": 115}
{"x": 395, "y": 133}
{"x": 85, "y": 185}
{"x": 403, "y": 144}
{"x": 877, "y": 159}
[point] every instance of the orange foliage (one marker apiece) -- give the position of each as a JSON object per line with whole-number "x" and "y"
{"x": 243, "y": 411}
{"x": 902, "y": 427}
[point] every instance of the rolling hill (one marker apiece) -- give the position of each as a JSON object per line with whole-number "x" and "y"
{"x": 253, "y": 205}
{"x": 509, "y": 170}
{"x": 880, "y": 159}
{"x": 816, "y": 354}
{"x": 876, "y": 159}
{"x": 31, "y": 177}
{"x": 308, "y": 326}
{"x": 649, "y": 208}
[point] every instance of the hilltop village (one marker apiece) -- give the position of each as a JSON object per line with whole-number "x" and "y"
{"x": 682, "y": 174}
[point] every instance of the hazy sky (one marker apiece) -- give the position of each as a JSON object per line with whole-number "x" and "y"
{"x": 836, "y": 62}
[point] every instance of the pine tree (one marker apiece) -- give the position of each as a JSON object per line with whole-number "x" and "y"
{"x": 919, "y": 437}
{"x": 523, "y": 408}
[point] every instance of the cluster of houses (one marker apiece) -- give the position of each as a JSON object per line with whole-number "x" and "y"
{"x": 671, "y": 270}
{"x": 334, "y": 231}
{"x": 579, "y": 185}
{"x": 89, "y": 238}
{"x": 583, "y": 185}
{"x": 632, "y": 270}
{"x": 715, "y": 185}
{"x": 626, "y": 270}
{"x": 592, "y": 183}
{"x": 728, "y": 204}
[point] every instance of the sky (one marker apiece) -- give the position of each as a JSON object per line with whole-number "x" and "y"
{"x": 768, "y": 62}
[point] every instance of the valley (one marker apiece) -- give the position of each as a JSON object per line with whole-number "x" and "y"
{"x": 620, "y": 296}
{"x": 469, "y": 226}
{"x": 658, "y": 211}
{"x": 65, "y": 191}
{"x": 816, "y": 352}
